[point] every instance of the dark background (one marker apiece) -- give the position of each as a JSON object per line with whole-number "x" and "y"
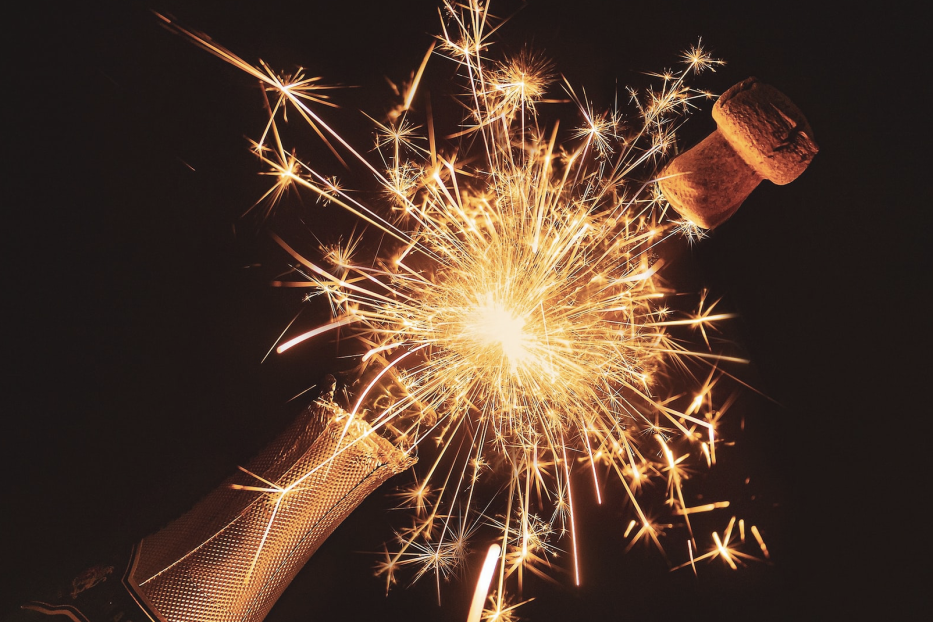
{"x": 138, "y": 308}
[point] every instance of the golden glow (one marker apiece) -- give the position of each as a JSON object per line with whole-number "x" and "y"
{"x": 495, "y": 326}
{"x": 519, "y": 280}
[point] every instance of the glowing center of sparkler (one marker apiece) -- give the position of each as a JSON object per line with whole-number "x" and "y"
{"x": 498, "y": 326}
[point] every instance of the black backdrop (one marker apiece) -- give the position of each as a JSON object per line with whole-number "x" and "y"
{"x": 138, "y": 309}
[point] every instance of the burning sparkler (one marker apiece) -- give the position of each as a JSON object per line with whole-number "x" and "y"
{"x": 518, "y": 320}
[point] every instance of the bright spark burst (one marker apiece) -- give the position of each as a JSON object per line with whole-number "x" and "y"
{"x": 519, "y": 320}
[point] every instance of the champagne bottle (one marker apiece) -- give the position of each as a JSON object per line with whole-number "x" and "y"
{"x": 233, "y": 554}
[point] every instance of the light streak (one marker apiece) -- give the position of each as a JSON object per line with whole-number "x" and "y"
{"x": 482, "y": 585}
{"x": 761, "y": 542}
{"x": 573, "y": 529}
{"x": 704, "y": 508}
{"x": 366, "y": 391}
{"x": 314, "y": 333}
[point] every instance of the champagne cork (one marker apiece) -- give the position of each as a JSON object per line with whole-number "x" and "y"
{"x": 760, "y": 134}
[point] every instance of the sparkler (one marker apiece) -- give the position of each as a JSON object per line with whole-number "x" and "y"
{"x": 518, "y": 322}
